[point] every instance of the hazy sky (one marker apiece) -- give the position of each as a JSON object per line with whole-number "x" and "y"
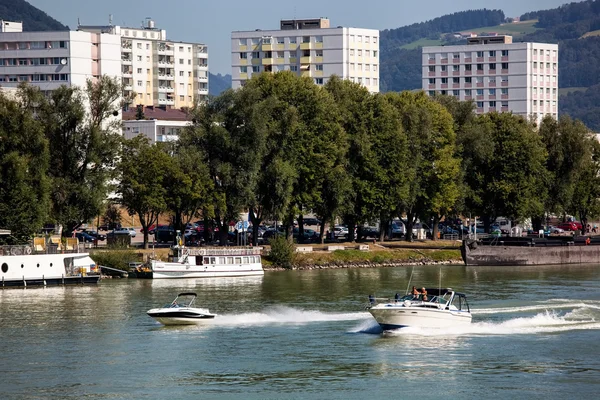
{"x": 211, "y": 22}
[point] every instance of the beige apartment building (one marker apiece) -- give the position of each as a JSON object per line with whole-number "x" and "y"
{"x": 307, "y": 47}
{"x": 158, "y": 71}
{"x": 497, "y": 74}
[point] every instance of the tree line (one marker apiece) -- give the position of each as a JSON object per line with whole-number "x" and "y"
{"x": 281, "y": 147}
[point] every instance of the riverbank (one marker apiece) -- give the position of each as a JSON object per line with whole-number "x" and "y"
{"x": 388, "y": 254}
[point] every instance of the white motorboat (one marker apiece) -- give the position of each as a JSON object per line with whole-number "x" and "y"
{"x": 209, "y": 263}
{"x": 181, "y": 312}
{"x": 441, "y": 308}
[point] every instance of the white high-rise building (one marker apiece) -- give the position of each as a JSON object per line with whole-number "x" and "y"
{"x": 51, "y": 59}
{"x": 497, "y": 74}
{"x": 158, "y": 71}
{"x": 309, "y": 48}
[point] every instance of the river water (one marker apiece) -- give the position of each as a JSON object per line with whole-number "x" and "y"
{"x": 305, "y": 335}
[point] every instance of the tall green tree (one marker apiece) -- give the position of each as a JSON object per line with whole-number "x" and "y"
{"x": 24, "y": 158}
{"x": 84, "y": 143}
{"x": 143, "y": 181}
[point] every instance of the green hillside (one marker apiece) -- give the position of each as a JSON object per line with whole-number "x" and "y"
{"x": 33, "y": 18}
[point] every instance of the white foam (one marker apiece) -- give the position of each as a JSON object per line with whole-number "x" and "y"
{"x": 367, "y": 326}
{"x": 546, "y": 322}
{"x": 536, "y": 307}
{"x": 286, "y": 315}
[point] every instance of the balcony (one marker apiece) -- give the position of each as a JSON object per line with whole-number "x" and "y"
{"x": 492, "y": 59}
{"x": 479, "y": 72}
{"x": 444, "y": 86}
{"x": 480, "y": 111}
{"x": 479, "y": 84}
{"x": 467, "y": 98}
{"x": 166, "y": 89}
{"x": 444, "y": 61}
{"x": 504, "y": 83}
{"x": 504, "y": 108}
{"x": 456, "y": 73}
{"x": 126, "y": 60}
{"x": 243, "y": 61}
{"x": 432, "y": 86}
{"x": 267, "y": 47}
{"x": 304, "y": 60}
{"x": 492, "y": 109}
{"x": 479, "y": 97}
{"x": 267, "y": 61}
{"x": 504, "y": 58}
{"x": 468, "y": 60}
{"x": 504, "y": 71}
{"x": 305, "y": 73}
{"x": 243, "y": 75}
{"x": 293, "y": 60}
{"x": 492, "y": 72}
{"x": 165, "y": 62}
{"x": 445, "y": 73}
{"x": 318, "y": 60}
{"x": 305, "y": 46}
{"x": 128, "y": 73}
{"x": 456, "y": 85}
{"x": 166, "y": 77}
{"x": 492, "y": 84}
{"x": 479, "y": 59}
{"x": 468, "y": 85}
{"x": 243, "y": 47}
{"x": 431, "y": 73}
{"x": 468, "y": 72}
{"x": 165, "y": 50}
{"x": 492, "y": 97}
{"x": 432, "y": 61}
{"x": 280, "y": 61}
{"x": 255, "y": 61}
{"x": 456, "y": 60}
{"x": 504, "y": 97}
{"x": 168, "y": 102}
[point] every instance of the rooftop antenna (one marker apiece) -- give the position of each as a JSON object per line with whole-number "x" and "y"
{"x": 110, "y": 19}
{"x": 78, "y": 22}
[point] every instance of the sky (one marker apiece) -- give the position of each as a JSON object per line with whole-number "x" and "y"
{"x": 211, "y": 22}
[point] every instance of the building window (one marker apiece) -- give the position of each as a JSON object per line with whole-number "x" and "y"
{"x": 479, "y": 79}
{"x": 280, "y": 54}
{"x": 256, "y": 54}
{"x": 319, "y": 53}
{"x": 351, "y": 52}
{"x": 492, "y": 92}
{"x": 505, "y": 104}
{"x": 444, "y": 68}
{"x": 293, "y": 40}
{"x": 139, "y": 58}
{"x": 319, "y": 67}
{"x": 456, "y": 93}
{"x": 367, "y": 39}
{"x": 468, "y": 79}
{"x": 432, "y": 92}
{"x": 254, "y": 41}
{"x": 444, "y": 80}
{"x": 504, "y": 91}
{"x": 455, "y": 80}
{"x": 374, "y": 39}
{"x": 359, "y": 38}
{"x": 479, "y": 67}
{"x": 360, "y": 53}
{"x": 180, "y": 73}
{"x": 139, "y": 70}
{"x": 139, "y": 45}
{"x": 367, "y": 53}
{"x": 181, "y": 61}
{"x": 352, "y": 38}
{"x": 280, "y": 40}
{"x": 456, "y": 56}
{"x": 492, "y": 104}
{"x": 432, "y": 68}
{"x": 255, "y": 68}
{"x": 492, "y": 53}
{"x": 351, "y": 66}
{"x": 243, "y": 56}
{"x": 480, "y": 104}
{"x": 480, "y": 54}
{"x": 535, "y": 52}
{"x": 367, "y": 67}
{"x": 294, "y": 68}
{"x": 375, "y": 82}
{"x": 318, "y": 39}
{"x": 504, "y": 65}
{"x": 493, "y": 66}
{"x": 243, "y": 69}
{"x": 468, "y": 92}
{"x": 305, "y": 39}
{"x": 432, "y": 81}
{"x": 468, "y": 67}
{"x": 368, "y": 81}
{"x": 504, "y": 53}
{"x": 455, "y": 68}
{"x": 479, "y": 92}
{"x": 140, "y": 83}
{"x": 319, "y": 81}
{"x": 181, "y": 97}
{"x": 444, "y": 56}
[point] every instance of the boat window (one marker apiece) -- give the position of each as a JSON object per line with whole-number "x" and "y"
{"x": 238, "y": 260}
{"x": 213, "y": 260}
{"x": 198, "y": 260}
{"x": 206, "y": 260}
{"x": 221, "y": 260}
{"x": 245, "y": 260}
{"x": 229, "y": 260}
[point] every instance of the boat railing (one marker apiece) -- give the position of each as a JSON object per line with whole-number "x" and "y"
{"x": 247, "y": 251}
{"x": 47, "y": 248}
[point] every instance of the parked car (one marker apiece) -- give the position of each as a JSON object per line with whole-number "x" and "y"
{"x": 130, "y": 231}
{"x": 109, "y": 227}
{"x": 370, "y": 232}
{"x": 553, "y": 230}
{"x": 164, "y": 234}
{"x": 96, "y": 235}
{"x": 398, "y": 229}
{"x": 310, "y": 235}
{"x": 340, "y": 231}
{"x": 84, "y": 237}
{"x": 568, "y": 226}
{"x": 312, "y": 221}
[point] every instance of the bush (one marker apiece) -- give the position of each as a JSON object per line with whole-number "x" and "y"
{"x": 118, "y": 258}
{"x": 282, "y": 252}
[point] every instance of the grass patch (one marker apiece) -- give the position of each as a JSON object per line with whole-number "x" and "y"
{"x": 591, "y": 33}
{"x": 516, "y": 29}
{"x": 116, "y": 258}
{"x": 422, "y": 43}
{"x": 565, "y": 91}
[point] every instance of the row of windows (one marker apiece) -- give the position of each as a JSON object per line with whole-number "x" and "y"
{"x": 228, "y": 260}
{"x": 34, "y": 78}
{"x": 359, "y": 52}
{"x": 554, "y": 66}
{"x": 469, "y": 54}
{"x": 57, "y": 44}
{"x": 12, "y": 62}
{"x": 281, "y": 54}
{"x": 467, "y": 79}
{"x": 467, "y": 67}
{"x": 303, "y": 39}
{"x": 478, "y": 92}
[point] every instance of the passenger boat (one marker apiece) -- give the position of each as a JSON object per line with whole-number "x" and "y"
{"x": 181, "y": 311}
{"x": 186, "y": 262}
{"x": 47, "y": 261}
{"x": 442, "y": 308}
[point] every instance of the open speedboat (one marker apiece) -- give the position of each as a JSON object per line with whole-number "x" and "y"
{"x": 441, "y": 308}
{"x": 181, "y": 312}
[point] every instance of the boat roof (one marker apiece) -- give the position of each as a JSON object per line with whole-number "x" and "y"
{"x": 187, "y": 294}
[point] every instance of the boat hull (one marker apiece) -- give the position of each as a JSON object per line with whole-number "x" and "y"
{"x": 529, "y": 255}
{"x": 180, "y": 317}
{"x": 166, "y": 270}
{"x": 394, "y": 317}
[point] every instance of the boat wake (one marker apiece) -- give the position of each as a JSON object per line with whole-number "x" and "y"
{"x": 551, "y": 304}
{"x": 285, "y": 315}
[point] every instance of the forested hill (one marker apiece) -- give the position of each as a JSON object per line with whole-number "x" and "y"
{"x": 433, "y": 29}
{"x": 33, "y": 18}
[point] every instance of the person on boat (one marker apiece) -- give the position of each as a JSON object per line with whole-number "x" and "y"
{"x": 423, "y": 294}
{"x": 415, "y": 292}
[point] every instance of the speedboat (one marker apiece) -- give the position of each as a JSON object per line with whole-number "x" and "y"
{"x": 181, "y": 312}
{"x": 440, "y": 308}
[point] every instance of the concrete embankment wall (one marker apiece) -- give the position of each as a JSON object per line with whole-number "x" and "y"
{"x": 524, "y": 255}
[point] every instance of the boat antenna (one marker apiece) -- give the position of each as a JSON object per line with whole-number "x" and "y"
{"x": 440, "y": 283}
{"x": 410, "y": 279}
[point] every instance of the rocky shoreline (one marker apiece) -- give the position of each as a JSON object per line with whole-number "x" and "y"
{"x": 363, "y": 264}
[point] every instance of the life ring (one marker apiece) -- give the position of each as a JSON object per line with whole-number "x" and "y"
{"x": 27, "y": 250}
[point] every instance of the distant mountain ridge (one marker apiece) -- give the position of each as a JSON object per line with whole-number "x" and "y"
{"x": 33, "y": 18}
{"x": 218, "y": 83}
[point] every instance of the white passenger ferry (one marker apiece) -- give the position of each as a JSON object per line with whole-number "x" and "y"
{"x": 185, "y": 262}
{"x": 46, "y": 261}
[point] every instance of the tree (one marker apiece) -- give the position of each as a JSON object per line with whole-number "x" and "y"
{"x": 139, "y": 112}
{"x": 433, "y": 169}
{"x": 83, "y": 148}
{"x": 24, "y": 158}
{"x": 143, "y": 181}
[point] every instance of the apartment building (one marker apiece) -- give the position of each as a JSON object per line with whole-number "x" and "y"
{"x": 161, "y": 124}
{"x": 497, "y": 74}
{"x": 308, "y": 47}
{"x": 157, "y": 71}
{"x": 51, "y": 59}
